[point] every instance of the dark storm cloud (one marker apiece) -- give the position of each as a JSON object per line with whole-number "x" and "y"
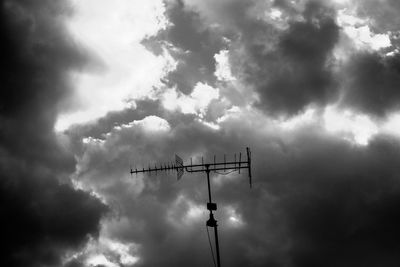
{"x": 372, "y": 83}
{"x": 41, "y": 218}
{"x": 194, "y": 46}
{"x": 339, "y": 201}
{"x": 296, "y": 70}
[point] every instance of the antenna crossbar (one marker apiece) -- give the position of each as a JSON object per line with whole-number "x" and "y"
{"x": 192, "y": 167}
{"x": 214, "y": 166}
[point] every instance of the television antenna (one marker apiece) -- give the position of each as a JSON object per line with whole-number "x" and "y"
{"x": 180, "y": 168}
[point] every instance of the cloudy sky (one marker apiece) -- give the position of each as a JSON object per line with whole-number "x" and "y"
{"x": 92, "y": 88}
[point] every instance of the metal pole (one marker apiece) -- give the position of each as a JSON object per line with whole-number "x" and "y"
{"x": 217, "y": 245}
{"x": 208, "y": 182}
{"x": 212, "y": 222}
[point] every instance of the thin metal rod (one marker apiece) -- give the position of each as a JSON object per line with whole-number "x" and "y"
{"x": 208, "y": 183}
{"x": 249, "y": 164}
{"x": 214, "y": 159}
{"x": 211, "y": 216}
{"x": 217, "y": 245}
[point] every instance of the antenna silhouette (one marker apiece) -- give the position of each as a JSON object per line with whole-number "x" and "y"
{"x": 180, "y": 168}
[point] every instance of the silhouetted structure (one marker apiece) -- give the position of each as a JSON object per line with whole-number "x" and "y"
{"x": 180, "y": 168}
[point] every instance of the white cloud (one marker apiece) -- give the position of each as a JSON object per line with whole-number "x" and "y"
{"x": 392, "y": 125}
{"x": 96, "y": 253}
{"x": 150, "y": 123}
{"x": 122, "y": 250}
{"x": 195, "y": 103}
{"x": 340, "y": 2}
{"x": 100, "y": 260}
{"x": 211, "y": 125}
{"x": 107, "y": 252}
{"x": 358, "y": 30}
{"x": 358, "y": 128}
{"x": 363, "y": 37}
{"x": 91, "y": 140}
{"x": 222, "y": 67}
{"x": 275, "y": 13}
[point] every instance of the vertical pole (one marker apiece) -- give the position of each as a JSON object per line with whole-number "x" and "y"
{"x": 249, "y": 164}
{"x": 208, "y": 182}
{"x": 217, "y": 245}
{"x": 212, "y": 222}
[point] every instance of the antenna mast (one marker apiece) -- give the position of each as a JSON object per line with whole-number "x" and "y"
{"x": 180, "y": 168}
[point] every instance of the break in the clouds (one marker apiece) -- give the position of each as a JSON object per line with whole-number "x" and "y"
{"x": 112, "y": 32}
{"x": 92, "y": 88}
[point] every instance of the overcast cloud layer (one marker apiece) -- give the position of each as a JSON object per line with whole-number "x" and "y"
{"x": 312, "y": 87}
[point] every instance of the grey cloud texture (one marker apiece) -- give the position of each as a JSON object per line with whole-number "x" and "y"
{"x": 43, "y": 217}
{"x": 383, "y": 14}
{"x": 289, "y": 66}
{"x": 289, "y": 63}
{"x": 194, "y": 47}
{"x": 298, "y": 72}
{"x": 316, "y": 199}
{"x": 340, "y": 202}
{"x": 372, "y": 84}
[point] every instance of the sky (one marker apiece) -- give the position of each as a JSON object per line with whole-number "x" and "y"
{"x": 90, "y": 89}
